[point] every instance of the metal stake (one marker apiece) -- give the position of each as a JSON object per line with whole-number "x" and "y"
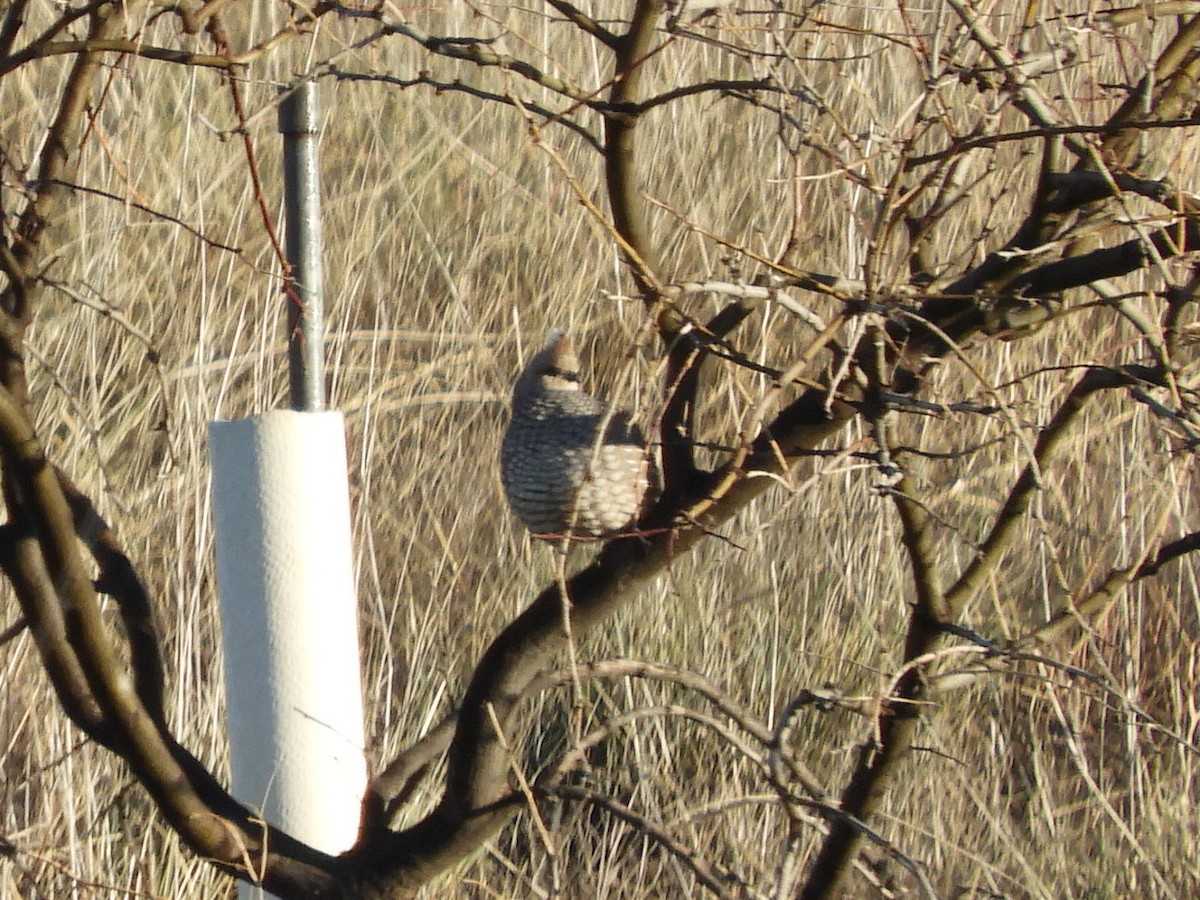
{"x": 298, "y": 115}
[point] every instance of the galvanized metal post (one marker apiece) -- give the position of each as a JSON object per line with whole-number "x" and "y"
{"x": 298, "y": 114}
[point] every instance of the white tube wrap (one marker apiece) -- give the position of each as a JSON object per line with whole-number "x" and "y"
{"x": 289, "y": 622}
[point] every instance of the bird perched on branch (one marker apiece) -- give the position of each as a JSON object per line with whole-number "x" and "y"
{"x": 570, "y": 464}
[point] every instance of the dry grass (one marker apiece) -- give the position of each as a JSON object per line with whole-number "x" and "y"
{"x": 453, "y": 242}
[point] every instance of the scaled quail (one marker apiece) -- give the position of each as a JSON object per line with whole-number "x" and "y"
{"x": 557, "y": 474}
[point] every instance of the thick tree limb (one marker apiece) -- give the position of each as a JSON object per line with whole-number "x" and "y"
{"x": 120, "y": 580}
{"x": 620, "y": 170}
{"x": 677, "y": 425}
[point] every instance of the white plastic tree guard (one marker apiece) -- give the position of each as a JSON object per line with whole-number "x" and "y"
{"x": 289, "y": 622}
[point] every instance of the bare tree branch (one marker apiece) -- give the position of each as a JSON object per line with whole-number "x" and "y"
{"x": 585, "y": 23}
{"x": 38, "y": 50}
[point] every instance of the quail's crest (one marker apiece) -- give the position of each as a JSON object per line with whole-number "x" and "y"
{"x": 568, "y": 465}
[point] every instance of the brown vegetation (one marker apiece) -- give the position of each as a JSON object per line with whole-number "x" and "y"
{"x": 908, "y": 294}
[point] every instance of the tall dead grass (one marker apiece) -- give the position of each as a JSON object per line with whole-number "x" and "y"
{"x": 453, "y": 242}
